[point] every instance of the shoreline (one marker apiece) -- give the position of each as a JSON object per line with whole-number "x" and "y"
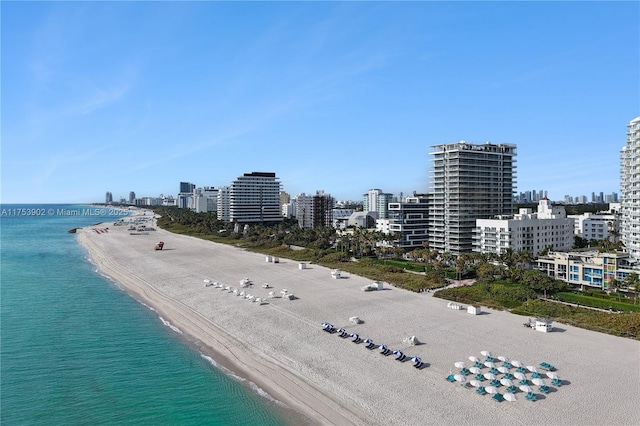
{"x": 281, "y": 348}
{"x": 227, "y": 353}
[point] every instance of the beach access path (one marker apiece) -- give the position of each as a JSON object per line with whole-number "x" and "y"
{"x": 281, "y": 347}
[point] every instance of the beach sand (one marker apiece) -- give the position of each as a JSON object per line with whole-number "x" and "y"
{"x": 281, "y": 347}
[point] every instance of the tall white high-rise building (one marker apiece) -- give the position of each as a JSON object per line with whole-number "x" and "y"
{"x": 255, "y": 198}
{"x": 468, "y": 182}
{"x": 377, "y": 201}
{"x": 630, "y": 190}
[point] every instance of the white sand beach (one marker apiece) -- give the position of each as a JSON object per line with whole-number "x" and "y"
{"x": 280, "y": 345}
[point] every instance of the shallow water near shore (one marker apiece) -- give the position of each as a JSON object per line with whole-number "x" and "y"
{"x": 78, "y": 350}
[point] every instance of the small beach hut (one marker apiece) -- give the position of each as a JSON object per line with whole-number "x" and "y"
{"x": 473, "y": 310}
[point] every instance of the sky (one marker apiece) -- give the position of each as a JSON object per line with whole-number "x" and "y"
{"x": 335, "y": 96}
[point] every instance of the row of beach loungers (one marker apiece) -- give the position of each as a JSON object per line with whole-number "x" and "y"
{"x": 514, "y": 381}
{"x": 101, "y": 230}
{"x": 369, "y": 344}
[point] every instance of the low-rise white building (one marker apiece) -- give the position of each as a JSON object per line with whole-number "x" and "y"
{"x": 549, "y": 227}
{"x": 586, "y": 268}
{"x": 597, "y": 226}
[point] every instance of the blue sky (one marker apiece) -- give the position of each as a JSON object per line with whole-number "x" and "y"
{"x": 343, "y": 97}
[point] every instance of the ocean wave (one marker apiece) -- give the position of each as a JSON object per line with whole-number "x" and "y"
{"x": 171, "y": 326}
{"x": 148, "y": 307}
{"x": 257, "y": 389}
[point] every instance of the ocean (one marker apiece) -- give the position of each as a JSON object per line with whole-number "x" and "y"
{"x": 77, "y": 350}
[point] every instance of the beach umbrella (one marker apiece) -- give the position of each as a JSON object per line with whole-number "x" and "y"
{"x": 460, "y": 365}
{"x": 367, "y": 341}
{"x": 341, "y": 330}
{"x": 490, "y": 364}
{"x": 519, "y": 376}
{"x": 510, "y": 397}
{"x": 538, "y": 382}
{"x": 354, "y": 335}
{"x": 532, "y": 368}
{"x": 553, "y": 375}
{"x": 476, "y": 383}
{"x": 503, "y": 358}
{"x": 503, "y": 370}
{"x": 397, "y": 353}
{"x": 460, "y": 378}
{"x": 526, "y": 388}
{"x": 485, "y": 353}
{"x": 474, "y": 359}
{"x": 489, "y": 376}
{"x": 416, "y": 359}
{"x": 506, "y": 382}
{"x": 491, "y": 389}
{"x": 517, "y": 364}
{"x": 382, "y": 347}
{"x": 475, "y": 370}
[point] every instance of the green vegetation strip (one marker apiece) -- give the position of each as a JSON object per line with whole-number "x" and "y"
{"x": 597, "y": 302}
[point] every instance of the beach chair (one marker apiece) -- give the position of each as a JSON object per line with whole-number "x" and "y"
{"x": 524, "y": 382}
{"x": 530, "y": 396}
{"x": 497, "y": 397}
{"x": 543, "y": 389}
{"x": 556, "y": 382}
{"x": 480, "y": 377}
{"x": 478, "y": 365}
{"x": 450, "y": 378}
{"x": 535, "y": 375}
{"x": 481, "y": 391}
{"x": 511, "y": 389}
{"x": 495, "y": 382}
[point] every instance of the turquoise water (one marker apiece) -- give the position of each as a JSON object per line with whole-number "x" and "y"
{"x": 77, "y": 350}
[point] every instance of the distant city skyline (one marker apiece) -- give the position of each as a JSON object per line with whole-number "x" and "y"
{"x": 340, "y": 97}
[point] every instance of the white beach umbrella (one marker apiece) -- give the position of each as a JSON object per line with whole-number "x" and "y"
{"x": 490, "y": 364}
{"x": 491, "y": 389}
{"x": 538, "y": 382}
{"x": 506, "y": 382}
{"x": 476, "y": 383}
{"x": 519, "y": 376}
{"x": 475, "y": 370}
{"x": 532, "y": 368}
{"x": 460, "y": 378}
{"x": 474, "y": 359}
{"x": 503, "y": 370}
{"x": 526, "y": 389}
{"x": 485, "y": 353}
{"x": 553, "y": 375}
{"x": 503, "y": 358}
{"x": 510, "y": 397}
{"x": 489, "y": 376}
{"x": 517, "y": 364}
{"x": 460, "y": 365}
